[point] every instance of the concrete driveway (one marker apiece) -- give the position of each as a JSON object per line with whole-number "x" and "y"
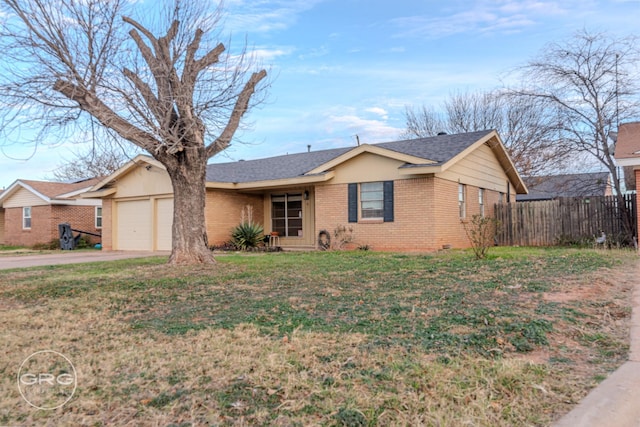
{"x": 70, "y": 257}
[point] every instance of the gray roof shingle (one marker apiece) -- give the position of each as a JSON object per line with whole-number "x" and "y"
{"x": 439, "y": 148}
{"x": 567, "y": 185}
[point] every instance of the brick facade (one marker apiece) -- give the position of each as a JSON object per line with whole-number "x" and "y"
{"x": 44, "y": 223}
{"x": 223, "y": 211}
{"x": 426, "y": 215}
{"x": 637, "y": 176}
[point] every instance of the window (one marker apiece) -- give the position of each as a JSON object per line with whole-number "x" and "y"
{"x": 371, "y": 200}
{"x": 481, "y": 201}
{"x": 286, "y": 215}
{"x": 462, "y": 189}
{"x": 98, "y": 216}
{"x": 26, "y": 217}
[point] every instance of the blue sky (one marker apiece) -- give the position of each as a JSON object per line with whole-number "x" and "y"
{"x": 342, "y": 68}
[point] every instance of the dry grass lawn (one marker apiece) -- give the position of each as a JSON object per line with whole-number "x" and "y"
{"x": 342, "y": 338}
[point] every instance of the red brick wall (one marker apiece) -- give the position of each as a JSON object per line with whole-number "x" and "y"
{"x": 637, "y": 175}
{"x": 426, "y": 215}
{"x": 44, "y": 223}
{"x": 223, "y": 212}
{"x": 411, "y": 230}
{"x": 80, "y": 218}
{"x": 40, "y": 231}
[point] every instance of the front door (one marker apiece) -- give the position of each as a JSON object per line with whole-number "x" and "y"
{"x": 286, "y": 214}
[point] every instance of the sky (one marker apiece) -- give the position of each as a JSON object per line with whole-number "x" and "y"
{"x": 346, "y": 68}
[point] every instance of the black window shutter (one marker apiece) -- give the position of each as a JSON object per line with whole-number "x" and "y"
{"x": 388, "y": 201}
{"x": 353, "y": 202}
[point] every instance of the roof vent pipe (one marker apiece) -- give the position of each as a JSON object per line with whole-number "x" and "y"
{"x": 442, "y": 133}
{"x": 308, "y": 148}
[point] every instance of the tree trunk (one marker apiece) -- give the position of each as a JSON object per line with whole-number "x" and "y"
{"x": 188, "y": 175}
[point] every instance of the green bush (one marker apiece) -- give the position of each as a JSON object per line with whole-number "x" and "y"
{"x": 247, "y": 235}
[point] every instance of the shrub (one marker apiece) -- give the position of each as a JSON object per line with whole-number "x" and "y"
{"x": 342, "y": 235}
{"x": 247, "y": 235}
{"x": 481, "y": 232}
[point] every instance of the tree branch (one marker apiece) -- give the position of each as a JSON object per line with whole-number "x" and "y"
{"x": 241, "y": 106}
{"x": 90, "y": 103}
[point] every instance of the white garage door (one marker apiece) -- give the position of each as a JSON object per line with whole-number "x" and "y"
{"x": 134, "y": 225}
{"x": 164, "y": 221}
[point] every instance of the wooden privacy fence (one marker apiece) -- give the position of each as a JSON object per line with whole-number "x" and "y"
{"x": 567, "y": 220}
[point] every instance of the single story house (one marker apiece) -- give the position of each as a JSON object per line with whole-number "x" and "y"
{"x": 627, "y": 150}
{"x": 1, "y": 222}
{"x": 413, "y": 195}
{"x": 551, "y": 187}
{"x": 30, "y": 211}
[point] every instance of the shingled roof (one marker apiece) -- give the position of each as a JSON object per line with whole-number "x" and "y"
{"x": 566, "y": 185}
{"x": 54, "y": 190}
{"x": 433, "y": 150}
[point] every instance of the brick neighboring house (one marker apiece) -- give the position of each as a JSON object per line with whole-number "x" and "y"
{"x": 413, "y": 195}
{"x": 30, "y": 211}
{"x": 1, "y": 222}
{"x": 627, "y": 152}
{"x": 550, "y": 187}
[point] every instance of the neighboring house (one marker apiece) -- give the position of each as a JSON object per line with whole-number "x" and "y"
{"x": 551, "y": 187}
{"x": 1, "y": 222}
{"x": 410, "y": 195}
{"x": 31, "y": 211}
{"x": 627, "y": 151}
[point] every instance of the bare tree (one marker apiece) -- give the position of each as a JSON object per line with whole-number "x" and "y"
{"x": 591, "y": 81}
{"x": 161, "y": 81}
{"x": 526, "y": 127}
{"x": 102, "y": 159}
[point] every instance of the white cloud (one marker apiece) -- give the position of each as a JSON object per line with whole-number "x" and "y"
{"x": 264, "y": 15}
{"x": 369, "y": 131}
{"x": 503, "y": 16}
{"x": 268, "y": 54}
{"x": 379, "y": 111}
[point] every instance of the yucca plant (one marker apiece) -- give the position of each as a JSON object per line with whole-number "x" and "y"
{"x": 247, "y": 235}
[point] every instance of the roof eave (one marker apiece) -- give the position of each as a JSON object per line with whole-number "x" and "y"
{"x": 419, "y": 170}
{"x": 367, "y": 148}
{"x": 99, "y": 194}
{"x": 123, "y": 170}
{"x": 628, "y": 161}
{"x": 274, "y": 183}
{"x": 14, "y": 187}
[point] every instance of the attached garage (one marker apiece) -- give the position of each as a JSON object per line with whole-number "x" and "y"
{"x": 144, "y": 225}
{"x": 163, "y": 223}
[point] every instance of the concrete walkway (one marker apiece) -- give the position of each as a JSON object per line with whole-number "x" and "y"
{"x": 616, "y": 400}
{"x": 70, "y": 257}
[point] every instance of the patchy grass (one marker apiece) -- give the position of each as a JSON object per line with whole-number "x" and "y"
{"x": 328, "y": 338}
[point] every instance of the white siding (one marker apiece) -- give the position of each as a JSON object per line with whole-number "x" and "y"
{"x": 23, "y": 197}
{"x": 480, "y": 169}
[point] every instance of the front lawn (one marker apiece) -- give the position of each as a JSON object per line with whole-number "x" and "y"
{"x": 326, "y": 338}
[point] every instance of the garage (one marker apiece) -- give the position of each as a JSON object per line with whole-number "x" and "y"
{"x": 144, "y": 225}
{"x": 164, "y": 222}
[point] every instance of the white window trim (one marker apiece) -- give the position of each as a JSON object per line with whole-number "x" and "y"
{"x": 25, "y": 217}
{"x": 361, "y": 210}
{"x": 462, "y": 201}
{"x": 98, "y": 216}
{"x": 481, "y": 197}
